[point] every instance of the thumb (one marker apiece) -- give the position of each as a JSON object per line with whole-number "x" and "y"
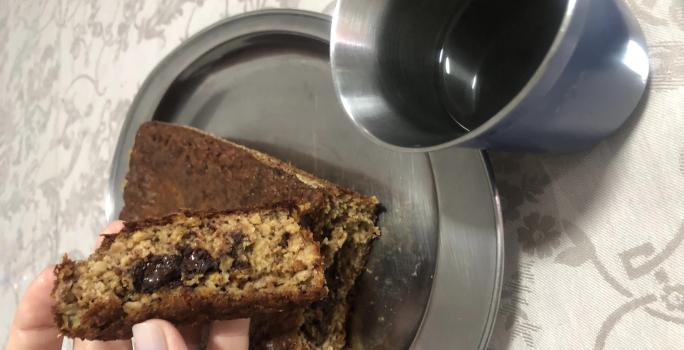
{"x": 34, "y": 326}
{"x": 157, "y": 335}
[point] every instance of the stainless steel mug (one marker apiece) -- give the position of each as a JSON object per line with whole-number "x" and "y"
{"x": 538, "y": 75}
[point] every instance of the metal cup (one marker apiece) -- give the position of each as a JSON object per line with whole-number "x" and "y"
{"x": 545, "y": 75}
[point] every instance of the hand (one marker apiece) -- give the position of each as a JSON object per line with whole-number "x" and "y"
{"x": 34, "y": 327}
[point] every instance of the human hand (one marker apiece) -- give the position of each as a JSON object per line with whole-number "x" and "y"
{"x": 34, "y": 327}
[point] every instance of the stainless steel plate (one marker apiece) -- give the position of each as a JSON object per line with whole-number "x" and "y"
{"x": 263, "y": 79}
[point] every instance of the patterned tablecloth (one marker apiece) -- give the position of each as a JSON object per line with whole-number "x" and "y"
{"x": 594, "y": 248}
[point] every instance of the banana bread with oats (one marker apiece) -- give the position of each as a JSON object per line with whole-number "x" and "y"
{"x": 175, "y": 167}
{"x": 188, "y": 268}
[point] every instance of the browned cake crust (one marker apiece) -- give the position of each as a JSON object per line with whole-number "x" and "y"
{"x": 190, "y": 268}
{"x": 175, "y": 167}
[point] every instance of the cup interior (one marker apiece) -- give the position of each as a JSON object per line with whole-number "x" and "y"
{"x": 417, "y": 74}
{"x": 490, "y": 53}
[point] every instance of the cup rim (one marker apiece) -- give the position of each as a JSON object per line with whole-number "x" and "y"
{"x": 573, "y": 9}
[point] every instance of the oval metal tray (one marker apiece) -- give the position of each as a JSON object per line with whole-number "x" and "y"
{"x": 263, "y": 79}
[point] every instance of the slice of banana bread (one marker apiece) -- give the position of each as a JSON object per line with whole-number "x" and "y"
{"x": 175, "y": 167}
{"x": 188, "y": 268}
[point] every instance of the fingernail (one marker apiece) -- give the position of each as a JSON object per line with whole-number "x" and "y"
{"x": 148, "y": 336}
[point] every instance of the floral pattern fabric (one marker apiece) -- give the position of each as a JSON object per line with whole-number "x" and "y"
{"x": 594, "y": 240}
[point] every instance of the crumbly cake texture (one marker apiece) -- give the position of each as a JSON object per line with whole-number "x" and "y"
{"x": 188, "y": 268}
{"x": 174, "y": 167}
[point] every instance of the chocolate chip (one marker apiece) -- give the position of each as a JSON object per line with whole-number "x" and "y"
{"x": 233, "y": 253}
{"x": 379, "y": 210}
{"x": 241, "y": 264}
{"x": 189, "y": 234}
{"x": 307, "y": 221}
{"x": 155, "y": 272}
{"x": 284, "y": 240}
{"x": 332, "y": 276}
{"x": 327, "y": 231}
{"x": 236, "y": 249}
{"x": 238, "y": 237}
{"x": 242, "y": 283}
{"x": 197, "y": 261}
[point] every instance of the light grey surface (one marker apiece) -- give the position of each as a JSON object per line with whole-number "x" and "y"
{"x": 442, "y": 212}
{"x": 385, "y": 56}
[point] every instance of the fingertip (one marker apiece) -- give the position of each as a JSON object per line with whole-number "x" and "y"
{"x": 114, "y": 227}
{"x": 33, "y": 326}
{"x": 46, "y": 277}
{"x": 38, "y": 292}
{"x": 80, "y": 344}
{"x": 232, "y": 327}
{"x": 157, "y": 335}
{"x": 231, "y": 334}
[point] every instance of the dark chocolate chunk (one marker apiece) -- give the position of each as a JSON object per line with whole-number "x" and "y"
{"x": 279, "y": 172}
{"x": 238, "y": 238}
{"x": 379, "y": 210}
{"x": 189, "y": 234}
{"x": 241, "y": 264}
{"x": 332, "y": 277}
{"x": 197, "y": 261}
{"x": 155, "y": 272}
{"x": 315, "y": 328}
{"x": 236, "y": 250}
{"x": 327, "y": 231}
{"x": 307, "y": 220}
{"x": 284, "y": 240}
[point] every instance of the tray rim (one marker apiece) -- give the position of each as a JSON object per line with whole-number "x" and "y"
{"x": 500, "y": 253}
